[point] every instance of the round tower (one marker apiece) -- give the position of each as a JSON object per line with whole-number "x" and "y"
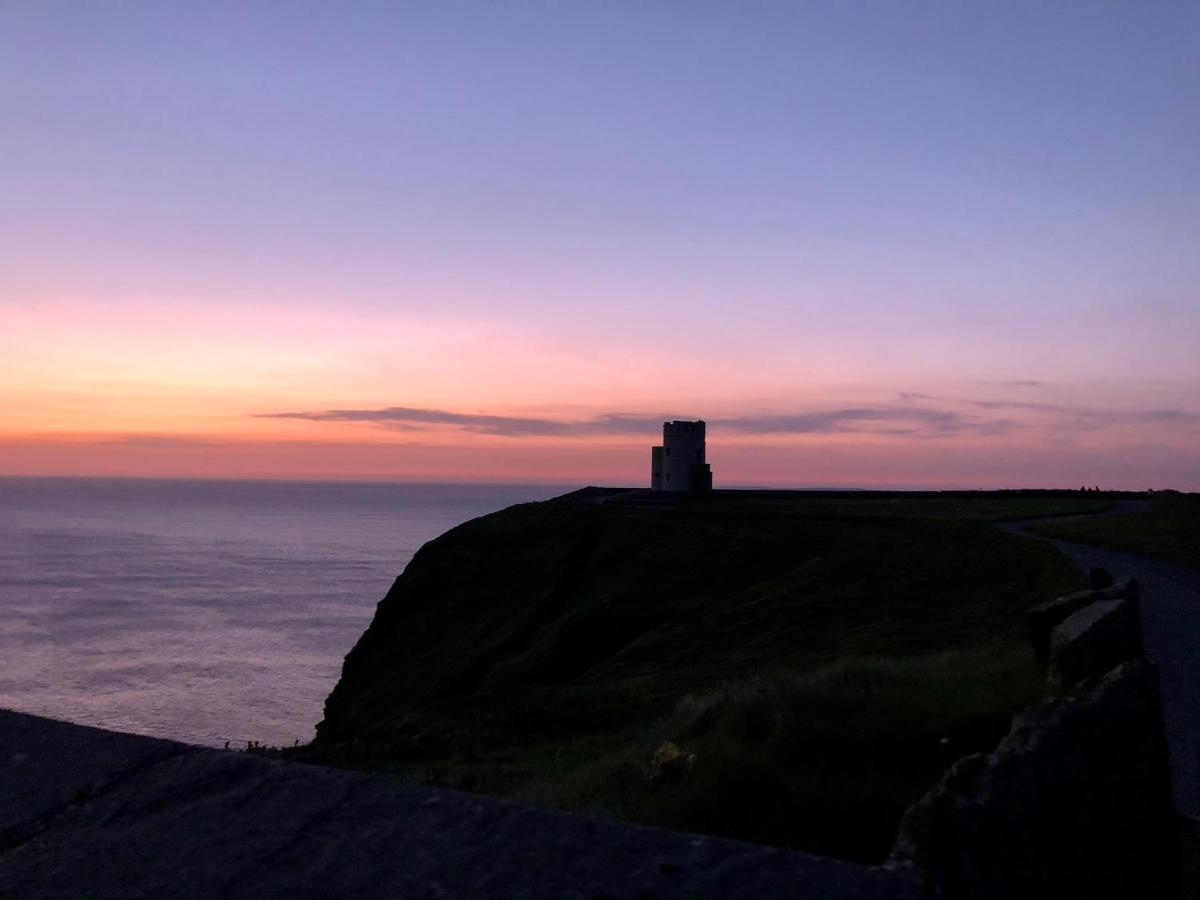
{"x": 682, "y": 462}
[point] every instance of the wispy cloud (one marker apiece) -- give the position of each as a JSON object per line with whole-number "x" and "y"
{"x": 878, "y": 419}
{"x": 509, "y": 426}
{"x": 160, "y": 441}
{"x": 915, "y": 414}
{"x": 900, "y": 420}
{"x": 1090, "y": 419}
{"x": 1012, "y": 383}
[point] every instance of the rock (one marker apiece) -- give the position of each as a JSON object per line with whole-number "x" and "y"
{"x": 52, "y": 765}
{"x": 1075, "y": 802}
{"x": 1043, "y": 618}
{"x": 1095, "y": 639}
{"x": 97, "y": 814}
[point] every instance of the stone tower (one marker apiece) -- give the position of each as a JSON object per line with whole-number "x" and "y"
{"x": 678, "y": 465}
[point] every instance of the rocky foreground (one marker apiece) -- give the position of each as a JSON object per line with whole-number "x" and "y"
{"x": 86, "y": 812}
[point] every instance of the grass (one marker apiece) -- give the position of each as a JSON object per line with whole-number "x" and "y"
{"x": 811, "y": 650}
{"x": 1169, "y": 530}
{"x": 974, "y": 506}
{"x": 826, "y": 760}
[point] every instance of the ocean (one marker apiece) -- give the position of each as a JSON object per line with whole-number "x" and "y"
{"x": 204, "y": 611}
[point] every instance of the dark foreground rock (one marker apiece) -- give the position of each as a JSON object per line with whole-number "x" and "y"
{"x": 1074, "y": 802}
{"x": 1095, "y": 639}
{"x": 1045, "y": 617}
{"x": 85, "y": 812}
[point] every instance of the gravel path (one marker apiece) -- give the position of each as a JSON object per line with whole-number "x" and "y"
{"x": 1171, "y": 631}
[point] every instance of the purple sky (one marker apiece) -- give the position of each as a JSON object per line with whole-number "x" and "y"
{"x": 214, "y": 213}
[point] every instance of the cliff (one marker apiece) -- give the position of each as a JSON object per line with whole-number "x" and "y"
{"x": 546, "y": 651}
{"x": 1074, "y": 801}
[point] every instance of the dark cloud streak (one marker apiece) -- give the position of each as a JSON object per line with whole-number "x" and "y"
{"x": 1085, "y": 419}
{"x": 509, "y": 426}
{"x": 913, "y": 416}
{"x": 1013, "y": 383}
{"x": 907, "y": 420}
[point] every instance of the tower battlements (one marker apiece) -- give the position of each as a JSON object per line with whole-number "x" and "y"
{"x": 672, "y": 428}
{"x": 679, "y": 464}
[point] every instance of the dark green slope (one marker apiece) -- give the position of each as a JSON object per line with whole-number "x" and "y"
{"x": 547, "y": 650}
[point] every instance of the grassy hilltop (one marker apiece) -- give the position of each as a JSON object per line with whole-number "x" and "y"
{"x": 786, "y": 668}
{"x": 1168, "y": 530}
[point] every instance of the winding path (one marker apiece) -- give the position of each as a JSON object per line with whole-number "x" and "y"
{"x": 1170, "y": 608}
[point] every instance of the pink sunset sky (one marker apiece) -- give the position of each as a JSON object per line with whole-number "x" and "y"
{"x": 895, "y": 247}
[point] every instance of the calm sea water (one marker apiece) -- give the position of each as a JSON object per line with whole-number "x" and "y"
{"x": 199, "y": 610}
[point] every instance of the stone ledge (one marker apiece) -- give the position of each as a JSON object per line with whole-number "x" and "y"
{"x": 1043, "y": 618}
{"x": 93, "y": 813}
{"x": 1095, "y": 639}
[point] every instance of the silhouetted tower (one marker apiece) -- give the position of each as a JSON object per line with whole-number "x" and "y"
{"x": 678, "y": 465}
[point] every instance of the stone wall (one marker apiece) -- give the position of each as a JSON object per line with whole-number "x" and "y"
{"x": 1045, "y": 617}
{"x": 1076, "y": 799}
{"x": 1095, "y": 639}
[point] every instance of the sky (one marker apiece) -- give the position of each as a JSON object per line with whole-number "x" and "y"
{"x": 871, "y": 244}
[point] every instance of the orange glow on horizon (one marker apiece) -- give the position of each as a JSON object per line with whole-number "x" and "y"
{"x": 819, "y": 461}
{"x": 144, "y": 389}
{"x": 214, "y": 262}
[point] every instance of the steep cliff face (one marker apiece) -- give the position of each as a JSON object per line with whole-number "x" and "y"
{"x": 544, "y": 651}
{"x": 478, "y": 609}
{"x": 568, "y": 600}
